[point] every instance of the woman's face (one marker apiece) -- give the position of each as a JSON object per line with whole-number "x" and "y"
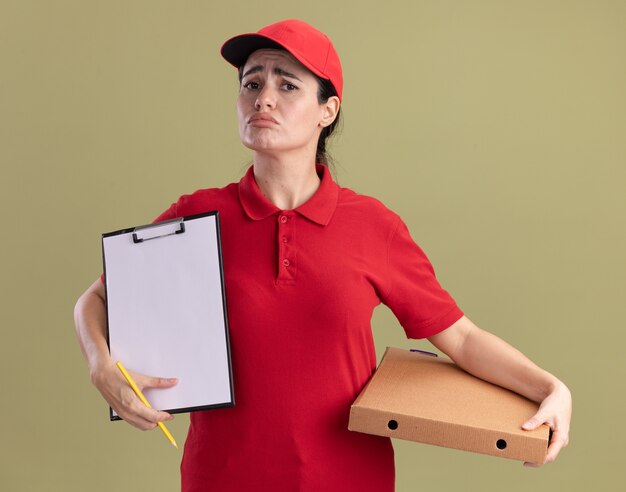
{"x": 277, "y": 107}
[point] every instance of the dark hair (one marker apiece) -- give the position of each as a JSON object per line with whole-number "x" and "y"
{"x": 325, "y": 91}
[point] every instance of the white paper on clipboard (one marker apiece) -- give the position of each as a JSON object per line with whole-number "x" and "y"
{"x": 166, "y": 310}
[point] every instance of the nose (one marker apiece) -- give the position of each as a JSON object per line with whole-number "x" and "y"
{"x": 266, "y": 98}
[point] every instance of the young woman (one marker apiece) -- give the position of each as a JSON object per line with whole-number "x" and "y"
{"x": 305, "y": 264}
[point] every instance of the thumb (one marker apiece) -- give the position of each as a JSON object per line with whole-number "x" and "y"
{"x": 155, "y": 382}
{"x": 534, "y": 422}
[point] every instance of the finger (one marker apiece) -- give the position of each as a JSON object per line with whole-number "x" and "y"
{"x": 144, "y": 381}
{"x": 535, "y": 421}
{"x": 139, "y": 423}
{"x": 143, "y": 417}
{"x": 164, "y": 416}
{"x": 135, "y": 412}
{"x": 137, "y": 420}
{"x": 150, "y": 414}
{"x": 558, "y": 442}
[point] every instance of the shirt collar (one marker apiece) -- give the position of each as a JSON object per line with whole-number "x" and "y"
{"x": 319, "y": 208}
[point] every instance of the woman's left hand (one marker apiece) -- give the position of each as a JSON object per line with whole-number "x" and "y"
{"x": 555, "y": 411}
{"x": 490, "y": 358}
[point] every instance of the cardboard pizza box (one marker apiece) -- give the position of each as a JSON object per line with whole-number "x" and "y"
{"x": 428, "y": 399}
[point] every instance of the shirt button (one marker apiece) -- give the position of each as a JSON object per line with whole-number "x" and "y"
{"x": 286, "y": 262}
{"x": 283, "y": 218}
{"x": 284, "y": 239}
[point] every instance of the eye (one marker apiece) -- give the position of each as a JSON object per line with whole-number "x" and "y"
{"x": 252, "y": 85}
{"x": 288, "y": 86}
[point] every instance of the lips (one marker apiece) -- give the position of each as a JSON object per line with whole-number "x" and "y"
{"x": 261, "y": 119}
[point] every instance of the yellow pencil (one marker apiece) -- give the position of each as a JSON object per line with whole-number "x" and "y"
{"x": 145, "y": 402}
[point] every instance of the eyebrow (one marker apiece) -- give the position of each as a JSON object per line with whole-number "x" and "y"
{"x": 277, "y": 71}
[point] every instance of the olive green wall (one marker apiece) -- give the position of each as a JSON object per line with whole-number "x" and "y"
{"x": 496, "y": 128}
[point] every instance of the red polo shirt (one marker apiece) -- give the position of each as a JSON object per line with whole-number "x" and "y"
{"x": 301, "y": 286}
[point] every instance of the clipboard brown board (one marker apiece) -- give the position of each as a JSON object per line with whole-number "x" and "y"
{"x": 424, "y": 398}
{"x": 166, "y": 310}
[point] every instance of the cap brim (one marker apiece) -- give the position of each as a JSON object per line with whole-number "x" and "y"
{"x": 237, "y": 50}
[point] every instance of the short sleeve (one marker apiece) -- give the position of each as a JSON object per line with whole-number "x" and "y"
{"x": 414, "y": 294}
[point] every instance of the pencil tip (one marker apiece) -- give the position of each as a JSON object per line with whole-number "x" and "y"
{"x": 175, "y": 445}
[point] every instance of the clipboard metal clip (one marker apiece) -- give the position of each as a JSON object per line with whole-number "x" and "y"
{"x": 180, "y": 230}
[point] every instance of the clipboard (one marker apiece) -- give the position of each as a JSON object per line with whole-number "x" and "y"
{"x": 166, "y": 310}
{"x": 421, "y": 397}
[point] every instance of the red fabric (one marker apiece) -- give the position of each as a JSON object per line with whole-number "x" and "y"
{"x": 309, "y": 46}
{"x": 301, "y": 287}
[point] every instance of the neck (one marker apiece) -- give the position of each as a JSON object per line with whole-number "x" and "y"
{"x": 286, "y": 181}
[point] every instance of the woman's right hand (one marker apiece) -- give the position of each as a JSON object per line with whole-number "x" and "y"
{"x": 90, "y": 319}
{"x": 121, "y": 397}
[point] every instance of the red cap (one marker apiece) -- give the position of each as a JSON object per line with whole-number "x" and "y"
{"x": 309, "y": 46}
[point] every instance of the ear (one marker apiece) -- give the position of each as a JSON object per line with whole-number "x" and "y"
{"x": 329, "y": 111}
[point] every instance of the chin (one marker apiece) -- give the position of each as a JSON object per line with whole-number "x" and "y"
{"x": 260, "y": 144}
